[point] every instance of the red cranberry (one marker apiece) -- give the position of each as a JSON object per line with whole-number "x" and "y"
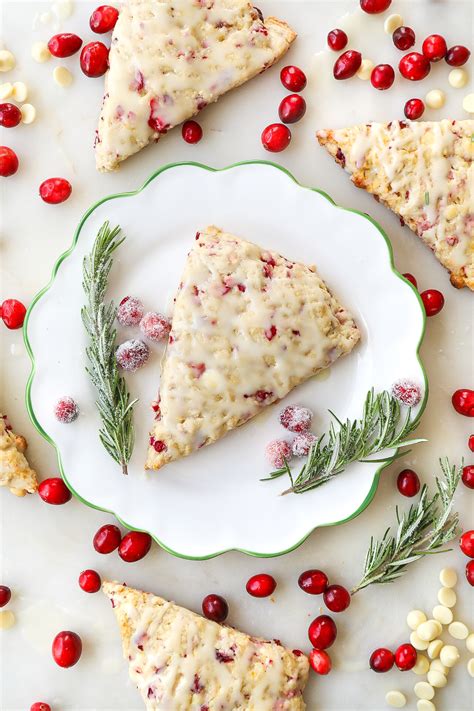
{"x": 10, "y": 115}
{"x": 382, "y": 76}
{"x": 66, "y": 410}
{"x": 322, "y": 632}
{"x": 103, "y": 19}
{"x": 130, "y": 311}
{"x": 313, "y": 582}
{"x": 5, "y": 595}
{"x": 89, "y": 581}
{"x": 403, "y": 38}
{"x": 468, "y": 476}
{"x": 293, "y": 78}
{"x": 414, "y": 66}
{"x": 433, "y": 301}
{"x": 466, "y": 543}
{"x": 337, "y": 40}
{"x": 405, "y": 657}
{"x": 40, "y": 706}
{"x": 55, "y": 190}
{"x": 64, "y": 45}
{"x": 470, "y": 572}
{"x": 292, "y": 108}
{"x": 134, "y": 546}
{"x": 215, "y": 608}
{"x": 381, "y": 660}
{"x": 54, "y": 491}
{"x": 67, "y": 649}
{"x": 407, "y": 275}
{"x": 457, "y": 56}
{"x": 414, "y": 109}
{"x": 261, "y": 585}
{"x": 277, "y": 452}
{"x": 407, "y": 392}
{"x": 337, "y": 598}
{"x": 155, "y": 326}
{"x": 276, "y": 137}
{"x": 470, "y": 443}
{"x": 296, "y": 418}
{"x": 373, "y": 7}
{"x": 434, "y": 48}
{"x": 13, "y": 313}
{"x": 320, "y": 661}
{"x": 8, "y": 162}
{"x": 107, "y": 538}
{"x": 463, "y": 402}
{"x": 408, "y": 483}
{"x": 191, "y": 132}
{"x": 132, "y": 355}
{"x": 347, "y": 64}
{"x": 302, "y": 443}
{"x": 94, "y": 59}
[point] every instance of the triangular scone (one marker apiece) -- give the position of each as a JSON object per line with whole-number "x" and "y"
{"x": 170, "y": 58}
{"x": 248, "y": 326}
{"x": 424, "y": 172}
{"x": 181, "y": 661}
{"x": 15, "y": 472}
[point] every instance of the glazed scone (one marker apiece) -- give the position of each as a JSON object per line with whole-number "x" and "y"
{"x": 180, "y": 661}
{"x": 171, "y": 58}
{"x": 248, "y": 326}
{"x": 424, "y": 172}
{"x": 15, "y": 472}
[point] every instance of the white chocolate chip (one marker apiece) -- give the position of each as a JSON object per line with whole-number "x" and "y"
{"x": 443, "y": 614}
{"x": 429, "y": 630}
{"x": 415, "y": 618}
{"x": 458, "y": 630}
{"x": 435, "y": 648}
{"x": 6, "y": 90}
{"x": 422, "y": 665}
{"x": 28, "y": 113}
{"x": 40, "y": 52}
{"x": 436, "y": 679}
{"x": 470, "y": 667}
{"x": 392, "y": 23}
{"x": 448, "y": 576}
{"x": 417, "y": 642}
{"x": 424, "y": 690}
{"x": 468, "y": 103}
{"x": 365, "y": 69}
{"x": 20, "y": 91}
{"x": 7, "y": 60}
{"x": 470, "y": 643}
{"x": 396, "y": 699}
{"x": 435, "y": 99}
{"x": 449, "y": 655}
{"x": 62, "y": 76}
{"x": 458, "y": 78}
{"x": 437, "y": 665}
{"x": 7, "y": 619}
{"x": 425, "y": 705}
{"x": 447, "y": 596}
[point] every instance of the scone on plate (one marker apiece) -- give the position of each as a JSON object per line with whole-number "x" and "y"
{"x": 181, "y": 661}
{"x": 248, "y": 326}
{"x": 15, "y": 472}
{"x": 424, "y": 172}
{"x": 171, "y": 58}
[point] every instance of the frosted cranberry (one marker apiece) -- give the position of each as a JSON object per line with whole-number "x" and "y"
{"x": 5, "y": 595}
{"x": 261, "y": 585}
{"x": 130, "y": 311}
{"x": 296, "y": 418}
{"x": 155, "y": 326}
{"x": 468, "y": 476}
{"x": 107, "y": 539}
{"x": 94, "y": 59}
{"x": 54, "y": 491}
{"x": 320, "y": 661}
{"x": 132, "y": 355}
{"x": 403, "y": 38}
{"x": 134, "y": 546}
{"x": 407, "y": 392}
{"x": 89, "y": 581}
{"x": 337, "y": 40}
{"x": 13, "y": 313}
{"x": 433, "y": 301}
{"x": 64, "y": 45}
{"x": 292, "y": 108}
{"x": 408, "y": 483}
{"x": 337, "y": 598}
{"x": 463, "y": 402}
{"x": 470, "y": 443}
{"x": 10, "y": 115}
{"x": 414, "y": 66}
{"x": 67, "y": 649}
{"x": 470, "y": 572}
{"x": 373, "y": 7}
{"x": 293, "y": 78}
{"x": 434, "y": 48}
{"x": 277, "y": 452}
{"x": 103, "y": 19}
{"x": 215, "y": 608}
{"x": 347, "y": 64}
{"x": 302, "y": 443}
{"x": 457, "y": 56}
{"x": 8, "y": 162}
{"x": 40, "y": 706}
{"x": 407, "y": 275}
{"x": 466, "y": 543}
{"x": 381, "y": 660}
{"x": 405, "y": 657}
{"x": 322, "y": 632}
{"x": 66, "y": 410}
{"x": 313, "y": 582}
{"x": 276, "y": 137}
{"x": 382, "y": 77}
{"x": 55, "y": 190}
{"x": 191, "y": 132}
{"x": 414, "y": 109}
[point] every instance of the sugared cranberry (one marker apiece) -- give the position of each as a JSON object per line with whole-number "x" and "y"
{"x": 276, "y": 137}
{"x": 457, "y": 56}
{"x": 468, "y": 476}
{"x": 414, "y": 66}
{"x": 337, "y": 40}
{"x": 293, "y": 78}
{"x": 320, "y": 661}
{"x": 403, "y": 38}
{"x": 54, "y": 491}
{"x": 407, "y": 392}
{"x": 5, "y": 595}
{"x": 10, "y": 115}
{"x": 434, "y": 48}
{"x": 155, "y": 326}
{"x": 322, "y": 632}
{"x": 466, "y": 543}
{"x": 134, "y": 546}
{"x": 302, "y": 443}
{"x": 94, "y": 59}
{"x": 408, "y": 483}
{"x": 292, "y": 108}
{"x": 191, "y": 132}
{"x": 40, "y": 706}
{"x": 313, "y": 582}
{"x": 407, "y": 275}
{"x": 381, "y": 660}
{"x": 337, "y": 598}
{"x": 433, "y": 301}
{"x": 66, "y": 410}
{"x": 347, "y": 64}
{"x": 414, "y": 109}
{"x": 405, "y": 657}
{"x": 373, "y": 7}
{"x": 67, "y": 649}
{"x": 470, "y": 572}
{"x": 215, "y": 607}
{"x": 130, "y": 311}
{"x": 107, "y": 539}
{"x": 132, "y": 355}
{"x": 470, "y": 443}
{"x": 8, "y": 162}
{"x": 89, "y": 581}
{"x": 277, "y": 452}
{"x": 13, "y": 313}
{"x": 64, "y": 45}
{"x": 103, "y": 19}
{"x": 463, "y": 402}
{"x": 55, "y": 190}
{"x": 261, "y": 585}
{"x": 296, "y": 418}
{"x": 382, "y": 77}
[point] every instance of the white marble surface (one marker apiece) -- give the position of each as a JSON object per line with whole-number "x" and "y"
{"x": 44, "y": 549}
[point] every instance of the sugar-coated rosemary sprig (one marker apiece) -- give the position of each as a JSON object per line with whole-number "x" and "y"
{"x": 113, "y": 399}
{"x": 424, "y": 529}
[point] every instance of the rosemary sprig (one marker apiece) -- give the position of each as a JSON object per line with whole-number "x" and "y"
{"x": 422, "y": 530}
{"x": 113, "y": 398}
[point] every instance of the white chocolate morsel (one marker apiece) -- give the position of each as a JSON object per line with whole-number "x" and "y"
{"x": 28, "y": 113}
{"x": 392, "y": 23}
{"x": 447, "y": 597}
{"x": 435, "y": 648}
{"x": 418, "y": 643}
{"x": 7, "y": 60}
{"x": 436, "y": 679}
{"x": 442, "y": 613}
{"x": 435, "y": 99}
{"x": 7, "y": 619}
{"x": 365, "y": 70}
{"x": 470, "y": 667}
{"x": 458, "y": 78}
{"x": 395, "y": 699}
{"x": 6, "y": 90}
{"x": 437, "y": 665}
{"x": 40, "y": 52}
{"x": 458, "y": 630}
{"x": 468, "y": 103}
{"x": 448, "y": 577}
{"x": 425, "y": 705}
{"x": 415, "y": 618}
{"x": 449, "y": 655}
{"x": 422, "y": 665}
{"x": 18, "y": 492}
{"x": 20, "y": 91}
{"x": 470, "y": 643}
{"x": 429, "y": 630}
{"x": 62, "y": 76}
{"x": 424, "y": 690}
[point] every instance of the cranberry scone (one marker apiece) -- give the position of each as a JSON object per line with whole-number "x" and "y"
{"x": 15, "y": 472}
{"x": 248, "y": 326}
{"x": 181, "y": 661}
{"x": 171, "y": 58}
{"x": 424, "y": 172}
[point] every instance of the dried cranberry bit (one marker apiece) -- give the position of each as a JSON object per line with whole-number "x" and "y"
{"x": 433, "y": 301}
{"x": 278, "y": 452}
{"x": 463, "y": 402}
{"x": 313, "y": 582}
{"x": 5, "y": 595}
{"x": 64, "y": 45}
{"x": 414, "y": 66}
{"x": 293, "y": 78}
{"x": 337, "y": 598}
{"x": 54, "y": 491}
{"x": 322, "y": 632}
{"x": 347, "y": 65}
{"x": 130, "y": 311}
{"x": 103, "y": 19}
{"x": 155, "y": 326}
{"x": 468, "y": 476}
{"x": 214, "y": 607}
{"x": 414, "y": 109}
{"x": 408, "y": 483}
{"x": 302, "y": 443}
{"x": 55, "y": 190}
{"x": 67, "y": 649}
{"x": 10, "y": 115}
{"x": 134, "y": 546}
{"x": 434, "y": 48}
{"x": 8, "y": 162}
{"x": 457, "y": 56}
{"x": 94, "y": 59}
{"x": 374, "y": 7}
{"x": 198, "y": 369}
{"x": 292, "y": 108}
{"x": 407, "y": 392}
{"x": 158, "y": 445}
{"x": 261, "y": 585}
{"x": 191, "y": 132}
{"x": 403, "y": 38}
{"x": 276, "y": 137}
{"x": 405, "y": 657}
{"x": 381, "y": 660}
{"x": 382, "y": 77}
{"x": 320, "y": 661}
{"x": 466, "y": 543}
{"x": 13, "y": 313}
{"x": 107, "y": 539}
{"x": 271, "y": 332}
{"x": 225, "y": 657}
{"x": 470, "y": 572}
{"x": 132, "y": 355}
{"x": 89, "y": 581}
{"x": 337, "y": 40}
{"x": 296, "y": 418}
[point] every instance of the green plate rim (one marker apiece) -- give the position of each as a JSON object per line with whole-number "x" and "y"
{"x": 70, "y": 250}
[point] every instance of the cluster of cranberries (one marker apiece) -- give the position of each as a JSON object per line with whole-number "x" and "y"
{"x": 134, "y": 353}
{"x": 433, "y": 300}
{"x": 466, "y": 544}
{"x": 277, "y": 136}
{"x": 297, "y": 419}
{"x": 12, "y": 313}
{"x": 382, "y": 659}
